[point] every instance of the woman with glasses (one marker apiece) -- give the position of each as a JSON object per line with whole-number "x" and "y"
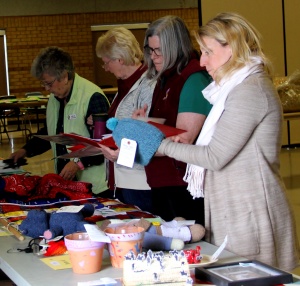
{"x": 72, "y": 100}
{"x": 122, "y": 56}
{"x": 173, "y": 62}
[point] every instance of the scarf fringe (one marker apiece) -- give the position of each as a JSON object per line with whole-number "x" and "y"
{"x": 195, "y": 179}
{"x": 216, "y": 95}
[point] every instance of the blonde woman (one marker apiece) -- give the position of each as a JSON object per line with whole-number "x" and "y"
{"x": 122, "y": 56}
{"x": 235, "y": 162}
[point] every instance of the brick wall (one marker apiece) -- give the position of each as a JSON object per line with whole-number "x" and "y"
{"x": 26, "y": 35}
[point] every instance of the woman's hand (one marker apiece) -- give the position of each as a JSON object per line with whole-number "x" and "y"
{"x": 140, "y": 112}
{"x": 110, "y": 154}
{"x": 89, "y": 120}
{"x": 69, "y": 171}
{"x": 176, "y": 139}
{"x": 21, "y": 153}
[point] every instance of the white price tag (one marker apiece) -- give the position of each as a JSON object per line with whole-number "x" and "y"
{"x": 127, "y": 152}
{"x": 70, "y": 209}
{"x": 96, "y": 234}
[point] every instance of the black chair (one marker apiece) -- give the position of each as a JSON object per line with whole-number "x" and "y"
{"x": 12, "y": 114}
{"x": 38, "y": 112}
{"x": 5, "y": 114}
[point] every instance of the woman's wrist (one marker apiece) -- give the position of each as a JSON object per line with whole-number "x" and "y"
{"x": 79, "y": 163}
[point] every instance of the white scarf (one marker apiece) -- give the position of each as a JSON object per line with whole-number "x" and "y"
{"x": 216, "y": 95}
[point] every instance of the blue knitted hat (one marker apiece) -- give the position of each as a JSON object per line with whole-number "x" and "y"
{"x": 147, "y": 136}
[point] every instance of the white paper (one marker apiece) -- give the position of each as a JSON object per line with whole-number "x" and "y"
{"x": 108, "y": 212}
{"x": 101, "y": 281}
{"x": 70, "y": 209}
{"x": 9, "y": 171}
{"x": 185, "y": 222}
{"x": 127, "y": 152}
{"x": 96, "y": 234}
{"x": 220, "y": 249}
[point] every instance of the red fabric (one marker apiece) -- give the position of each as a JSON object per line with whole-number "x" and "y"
{"x": 22, "y": 185}
{"x": 123, "y": 88}
{"x": 52, "y": 184}
{"x": 56, "y": 248}
{"x": 48, "y": 186}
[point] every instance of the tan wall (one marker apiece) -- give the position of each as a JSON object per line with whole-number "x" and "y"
{"x": 268, "y": 17}
{"x": 271, "y": 27}
{"x": 292, "y": 27}
{"x": 26, "y": 35}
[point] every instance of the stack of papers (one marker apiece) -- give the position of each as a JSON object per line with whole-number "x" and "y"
{"x": 9, "y": 171}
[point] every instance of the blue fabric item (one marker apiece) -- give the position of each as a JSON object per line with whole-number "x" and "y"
{"x": 139, "y": 198}
{"x": 34, "y": 225}
{"x": 38, "y": 222}
{"x": 156, "y": 242}
{"x": 64, "y": 223}
{"x": 147, "y": 136}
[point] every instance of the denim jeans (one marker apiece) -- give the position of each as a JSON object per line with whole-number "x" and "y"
{"x": 139, "y": 198}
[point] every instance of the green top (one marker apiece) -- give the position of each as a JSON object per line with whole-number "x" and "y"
{"x": 191, "y": 97}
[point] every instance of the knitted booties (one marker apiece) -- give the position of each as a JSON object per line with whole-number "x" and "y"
{"x": 156, "y": 241}
{"x": 187, "y": 233}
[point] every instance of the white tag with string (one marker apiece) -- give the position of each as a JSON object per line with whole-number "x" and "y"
{"x": 127, "y": 152}
{"x": 220, "y": 249}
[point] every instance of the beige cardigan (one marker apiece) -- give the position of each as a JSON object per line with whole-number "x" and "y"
{"x": 244, "y": 193}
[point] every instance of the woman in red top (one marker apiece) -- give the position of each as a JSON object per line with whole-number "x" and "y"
{"x": 177, "y": 97}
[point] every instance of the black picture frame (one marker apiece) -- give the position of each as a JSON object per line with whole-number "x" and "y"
{"x": 243, "y": 273}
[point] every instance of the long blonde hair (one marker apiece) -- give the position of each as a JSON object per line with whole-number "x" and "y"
{"x": 242, "y": 37}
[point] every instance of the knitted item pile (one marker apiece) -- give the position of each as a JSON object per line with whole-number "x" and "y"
{"x": 49, "y": 186}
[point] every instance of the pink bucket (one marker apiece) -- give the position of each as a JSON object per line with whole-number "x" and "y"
{"x": 85, "y": 255}
{"x": 123, "y": 239}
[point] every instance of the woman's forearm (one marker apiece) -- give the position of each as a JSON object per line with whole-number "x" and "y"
{"x": 182, "y": 152}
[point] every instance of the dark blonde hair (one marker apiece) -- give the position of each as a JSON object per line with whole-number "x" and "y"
{"x": 242, "y": 37}
{"x": 119, "y": 43}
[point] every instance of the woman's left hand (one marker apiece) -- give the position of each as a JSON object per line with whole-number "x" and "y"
{"x": 69, "y": 171}
{"x": 89, "y": 120}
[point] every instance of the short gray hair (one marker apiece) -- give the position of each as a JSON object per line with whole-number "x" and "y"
{"x": 54, "y": 61}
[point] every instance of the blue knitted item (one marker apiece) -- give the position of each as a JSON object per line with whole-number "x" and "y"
{"x": 147, "y": 136}
{"x": 34, "y": 225}
{"x": 40, "y": 223}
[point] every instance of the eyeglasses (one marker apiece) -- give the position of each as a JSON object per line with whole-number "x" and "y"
{"x": 148, "y": 50}
{"x": 47, "y": 84}
{"x": 106, "y": 63}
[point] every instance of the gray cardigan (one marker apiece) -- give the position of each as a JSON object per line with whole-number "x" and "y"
{"x": 244, "y": 192}
{"x": 139, "y": 95}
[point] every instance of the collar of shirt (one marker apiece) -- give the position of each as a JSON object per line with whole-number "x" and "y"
{"x": 67, "y": 99}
